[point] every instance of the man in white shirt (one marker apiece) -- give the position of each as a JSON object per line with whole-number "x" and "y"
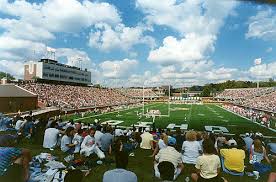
{"x": 19, "y": 124}
{"x": 147, "y": 140}
{"x": 98, "y": 135}
{"x": 171, "y": 155}
{"x": 51, "y": 136}
{"x": 89, "y": 146}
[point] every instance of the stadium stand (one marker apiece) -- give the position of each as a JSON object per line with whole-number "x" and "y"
{"x": 138, "y": 93}
{"x": 74, "y": 97}
{"x": 255, "y": 98}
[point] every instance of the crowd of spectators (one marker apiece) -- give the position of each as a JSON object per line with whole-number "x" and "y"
{"x": 243, "y": 93}
{"x": 74, "y": 97}
{"x": 266, "y": 119}
{"x": 138, "y": 93}
{"x": 200, "y": 156}
{"x": 256, "y": 98}
{"x": 265, "y": 102}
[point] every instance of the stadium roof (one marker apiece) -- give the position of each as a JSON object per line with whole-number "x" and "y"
{"x": 14, "y": 91}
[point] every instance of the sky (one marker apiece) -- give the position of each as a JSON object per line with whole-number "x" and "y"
{"x": 143, "y": 42}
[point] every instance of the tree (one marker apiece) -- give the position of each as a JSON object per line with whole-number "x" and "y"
{"x": 206, "y": 91}
{"x": 3, "y": 75}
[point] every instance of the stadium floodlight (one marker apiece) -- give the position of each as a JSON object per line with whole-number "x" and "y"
{"x": 51, "y": 53}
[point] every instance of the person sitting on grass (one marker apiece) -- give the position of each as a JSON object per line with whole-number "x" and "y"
{"x": 166, "y": 170}
{"x": 162, "y": 143}
{"x": 232, "y": 160}
{"x": 191, "y": 148}
{"x": 120, "y": 174}
{"x": 77, "y": 140}
{"x": 257, "y": 156}
{"x": 169, "y": 154}
{"x": 14, "y": 166}
{"x": 107, "y": 140}
{"x": 88, "y": 145}
{"x": 28, "y": 128}
{"x": 208, "y": 165}
{"x": 66, "y": 141}
{"x": 51, "y": 135}
{"x": 147, "y": 140}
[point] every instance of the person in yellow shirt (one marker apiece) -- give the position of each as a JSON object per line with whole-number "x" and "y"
{"x": 232, "y": 159}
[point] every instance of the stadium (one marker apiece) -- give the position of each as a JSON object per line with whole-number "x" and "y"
{"x": 67, "y": 118}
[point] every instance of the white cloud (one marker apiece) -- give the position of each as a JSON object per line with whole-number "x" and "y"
{"x": 191, "y": 48}
{"x": 118, "y": 68}
{"x": 221, "y": 74}
{"x": 20, "y": 29}
{"x": 263, "y": 71}
{"x": 74, "y": 57}
{"x": 262, "y": 25}
{"x": 14, "y": 68}
{"x": 33, "y": 21}
{"x": 197, "y": 21}
{"x": 29, "y": 24}
{"x": 58, "y": 16}
{"x": 19, "y": 49}
{"x": 201, "y": 16}
{"x": 105, "y": 38}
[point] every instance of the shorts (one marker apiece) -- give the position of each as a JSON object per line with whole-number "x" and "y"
{"x": 214, "y": 179}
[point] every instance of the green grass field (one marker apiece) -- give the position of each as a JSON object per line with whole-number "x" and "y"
{"x": 196, "y": 116}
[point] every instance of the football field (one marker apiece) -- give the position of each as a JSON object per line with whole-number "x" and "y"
{"x": 194, "y": 115}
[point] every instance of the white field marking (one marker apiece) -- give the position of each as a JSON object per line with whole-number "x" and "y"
{"x": 112, "y": 122}
{"x": 220, "y": 116}
{"x": 271, "y": 129}
{"x": 108, "y": 113}
{"x": 200, "y": 114}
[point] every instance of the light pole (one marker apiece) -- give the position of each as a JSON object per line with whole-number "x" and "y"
{"x": 257, "y": 62}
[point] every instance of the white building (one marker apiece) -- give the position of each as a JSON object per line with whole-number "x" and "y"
{"x": 47, "y": 69}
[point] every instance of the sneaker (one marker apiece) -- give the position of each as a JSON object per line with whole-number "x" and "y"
{"x": 256, "y": 175}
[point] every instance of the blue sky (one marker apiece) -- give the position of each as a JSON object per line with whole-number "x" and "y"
{"x": 151, "y": 42}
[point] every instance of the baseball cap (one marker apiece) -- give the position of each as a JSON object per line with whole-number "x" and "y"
{"x": 171, "y": 140}
{"x": 232, "y": 143}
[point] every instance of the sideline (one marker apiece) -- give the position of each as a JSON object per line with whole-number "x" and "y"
{"x": 271, "y": 129}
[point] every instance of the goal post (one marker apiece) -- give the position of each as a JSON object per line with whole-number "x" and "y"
{"x": 168, "y": 104}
